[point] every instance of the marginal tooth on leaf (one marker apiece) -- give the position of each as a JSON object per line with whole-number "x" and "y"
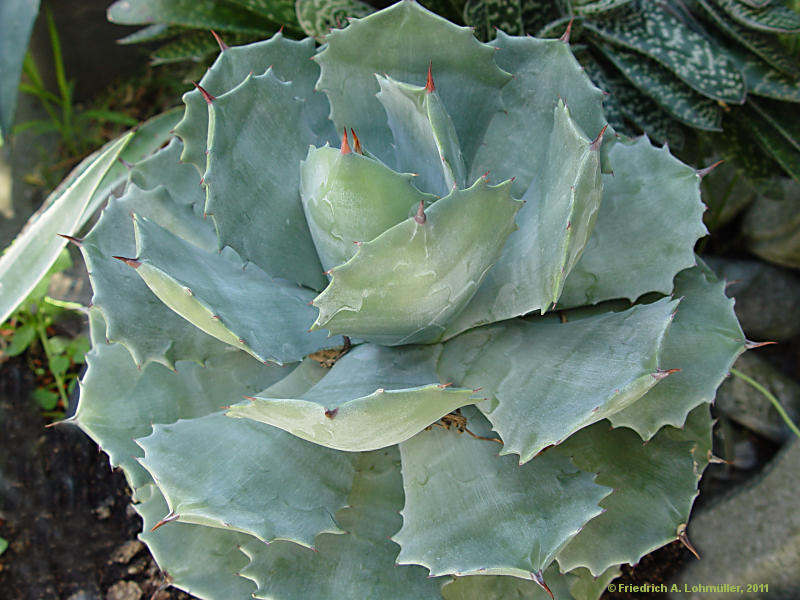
{"x": 356, "y": 142}
{"x": 685, "y": 540}
{"x": 131, "y": 262}
{"x": 441, "y": 386}
{"x": 565, "y": 38}
{"x": 598, "y": 141}
{"x": 77, "y": 241}
{"x": 539, "y": 579}
{"x": 125, "y": 163}
{"x": 241, "y": 341}
{"x": 661, "y": 373}
{"x": 429, "y": 85}
{"x": 331, "y": 413}
{"x": 345, "y": 143}
{"x": 222, "y": 45}
{"x": 706, "y": 170}
{"x": 753, "y": 345}
{"x": 485, "y": 176}
{"x": 71, "y": 419}
{"x": 716, "y": 460}
{"x": 169, "y": 518}
{"x": 420, "y": 216}
{"x": 208, "y": 97}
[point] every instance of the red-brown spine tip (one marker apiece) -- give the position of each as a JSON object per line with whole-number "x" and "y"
{"x": 420, "y": 216}
{"x": 441, "y": 386}
{"x": 539, "y": 579}
{"x": 598, "y": 141}
{"x": 77, "y": 241}
{"x": 565, "y": 38}
{"x": 131, "y": 262}
{"x": 753, "y": 345}
{"x": 125, "y": 163}
{"x": 661, "y": 373}
{"x": 706, "y": 170}
{"x": 331, "y": 413}
{"x": 208, "y": 97}
{"x": 345, "y": 143}
{"x": 169, "y": 518}
{"x": 222, "y": 45}
{"x": 356, "y": 142}
{"x": 429, "y": 85}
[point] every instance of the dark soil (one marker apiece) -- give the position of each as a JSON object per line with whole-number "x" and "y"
{"x": 64, "y": 513}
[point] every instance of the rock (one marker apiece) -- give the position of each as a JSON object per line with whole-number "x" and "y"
{"x": 767, "y": 297}
{"x": 747, "y": 406}
{"x": 772, "y": 227}
{"x": 124, "y": 590}
{"x": 93, "y": 594}
{"x": 749, "y": 538}
{"x": 127, "y": 551}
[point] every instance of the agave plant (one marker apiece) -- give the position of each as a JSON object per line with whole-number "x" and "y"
{"x": 442, "y": 354}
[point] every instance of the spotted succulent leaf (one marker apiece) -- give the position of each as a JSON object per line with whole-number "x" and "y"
{"x": 650, "y": 29}
{"x": 773, "y": 17}
{"x": 677, "y": 98}
{"x": 318, "y": 17}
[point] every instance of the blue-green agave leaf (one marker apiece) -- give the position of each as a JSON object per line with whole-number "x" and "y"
{"x": 256, "y": 140}
{"x": 425, "y": 138}
{"x": 410, "y": 39}
{"x": 290, "y": 61}
{"x": 245, "y": 308}
{"x": 499, "y": 587}
{"x": 135, "y": 317}
{"x": 373, "y": 397}
{"x": 181, "y": 180}
{"x": 512, "y": 520}
{"x": 199, "y": 466}
{"x": 650, "y": 29}
{"x": 703, "y": 341}
{"x": 179, "y": 548}
{"x": 357, "y": 564}
{"x": 654, "y": 486}
{"x": 120, "y": 401}
{"x": 351, "y": 198}
{"x": 649, "y": 220}
{"x": 674, "y": 96}
{"x": 515, "y": 144}
{"x": 545, "y": 379}
{"x": 419, "y": 272}
{"x": 554, "y": 225}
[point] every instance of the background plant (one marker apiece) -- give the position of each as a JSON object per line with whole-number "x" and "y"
{"x": 434, "y": 335}
{"x": 54, "y": 358}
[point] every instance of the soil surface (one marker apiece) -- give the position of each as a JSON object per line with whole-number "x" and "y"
{"x": 64, "y": 513}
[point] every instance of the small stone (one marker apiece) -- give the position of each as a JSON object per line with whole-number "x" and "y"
{"x": 124, "y": 590}
{"x": 744, "y": 404}
{"x": 772, "y": 226}
{"x": 127, "y": 551}
{"x": 751, "y": 537}
{"x": 767, "y": 297}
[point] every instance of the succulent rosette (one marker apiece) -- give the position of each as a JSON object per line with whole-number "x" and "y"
{"x": 398, "y": 317}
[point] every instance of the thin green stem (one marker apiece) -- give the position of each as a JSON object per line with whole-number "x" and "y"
{"x": 768, "y": 395}
{"x": 41, "y": 330}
